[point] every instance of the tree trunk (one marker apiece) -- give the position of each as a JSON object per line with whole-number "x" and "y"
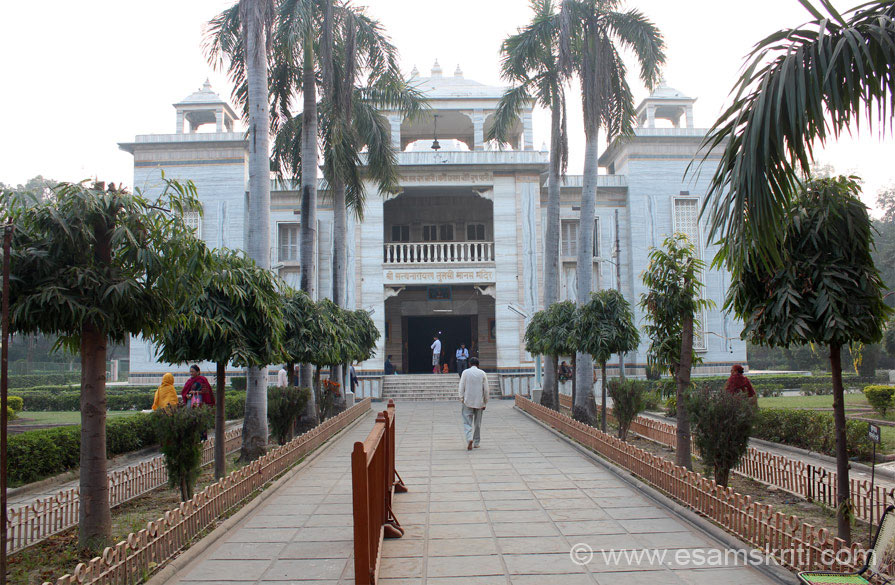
{"x": 551, "y": 234}
{"x": 308, "y": 218}
{"x": 95, "y": 516}
{"x": 254, "y": 435}
{"x": 550, "y": 394}
{"x": 574, "y": 378}
{"x": 220, "y": 462}
{"x": 585, "y": 406}
{"x": 843, "y": 497}
{"x": 318, "y": 404}
{"x": 722, "y": 477}
{"x": 290, "y": 373}
{"x": 682, "y": 377}
{"x": 603, "y": 394}
{"x": 340, "y": 270}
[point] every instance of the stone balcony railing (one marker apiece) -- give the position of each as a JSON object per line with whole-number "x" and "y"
{"x": 438, "y": 252}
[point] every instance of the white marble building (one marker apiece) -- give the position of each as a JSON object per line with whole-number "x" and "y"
{"x": 460, "y": 250}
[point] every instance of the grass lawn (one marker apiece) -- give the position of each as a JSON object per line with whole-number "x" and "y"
{"x": 855, "y": 400}
{"x": 59, "y": 417}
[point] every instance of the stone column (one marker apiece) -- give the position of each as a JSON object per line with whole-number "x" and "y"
{"x": 219, "y": 120}
{"x": 651, "y": 116}
{"x": 179, "y": 127}
{"x": 478, "y": 129}
{"x": 372, "y": 292}
{"x": 689, "y": 116}
{"x": 394, "y": 120}
{"x": 507, "y": 278}
{"x": 527, "y": 132}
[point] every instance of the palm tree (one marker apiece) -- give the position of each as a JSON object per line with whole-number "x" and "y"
{"x": 799, "y": 85}
{"x": 530, "y": 60}
{"x": 244, "y": 36}
{"x": 592, "y": 33}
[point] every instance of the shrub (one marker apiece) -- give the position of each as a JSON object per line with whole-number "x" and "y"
{"x": 15, "y": 403}
{"x": 815, "y": 389}
{"x": 31, "y": 380}
{"x": 722, "y": 423}
{"x": 767, "y": 390}
{"x": 180, "y": 433}
{"x": 671, "y": 406}
{"x": 880, "y": 397}
{"x": 235, "y": 405}
{"x": 36, "y": 454}
{"x": 284, "y": 407}
{"x": 810, "y": 430}
{"x": 627, "y": 402}
{"x": 238, "y": 383}
{"x": 10, "y": 413}
{"x": 651, "y": 400}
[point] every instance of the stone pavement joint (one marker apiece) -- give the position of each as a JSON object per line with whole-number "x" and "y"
{"x": 508, "y": 513}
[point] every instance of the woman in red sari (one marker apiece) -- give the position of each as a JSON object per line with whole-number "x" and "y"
{"x": 738, "y": 382}
{"x": 197, "y": 391}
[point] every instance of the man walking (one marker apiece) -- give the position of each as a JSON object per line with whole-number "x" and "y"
{"x": 474, "y": 397}
{"x": 462, "y": 358}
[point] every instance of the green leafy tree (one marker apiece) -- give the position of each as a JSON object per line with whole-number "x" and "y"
{"x": 825, "y": 290}
{"x": 799, "y": 87}
{"x": 722, "y": 424}
{"x": 552, "y": 333}
{"x": 236, "y": 317}
{"x": 285, "y": 407}
{"x": 628, "y": 401}
{"x": 530, "y": 61}
{"x": 672, "y": 304}
{"x": 592, "y": 37}
{"x": 605, "y": 326}
{"x": 179, "y": 432}
{"x": 96, "y": 264}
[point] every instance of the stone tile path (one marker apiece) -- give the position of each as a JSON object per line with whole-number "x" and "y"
{"x": 507, "y": 513}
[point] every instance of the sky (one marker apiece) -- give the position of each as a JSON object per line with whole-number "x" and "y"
{"x": 80, "y": 77}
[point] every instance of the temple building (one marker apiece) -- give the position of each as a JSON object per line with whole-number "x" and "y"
{"x": 460, "y": 250}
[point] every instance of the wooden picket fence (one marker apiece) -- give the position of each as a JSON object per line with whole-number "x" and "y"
{"x": 812, "y": 482}
{"x": 135, "y": 557}
{"x": 792, "y": 542}
{"x": 44, "y": 517}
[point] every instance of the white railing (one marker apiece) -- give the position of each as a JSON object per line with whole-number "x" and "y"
{"x": 438, "y": 252}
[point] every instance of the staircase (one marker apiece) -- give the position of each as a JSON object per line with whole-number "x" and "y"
{"x": 422, "y": 387}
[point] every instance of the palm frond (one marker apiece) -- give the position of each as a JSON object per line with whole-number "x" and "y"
{"x": 506, "y": 116}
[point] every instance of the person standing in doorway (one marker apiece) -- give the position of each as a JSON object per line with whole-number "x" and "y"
{"x": 474, "y": 399}
{"x": 436, "y": 355}
{"x": 462, "y": 358}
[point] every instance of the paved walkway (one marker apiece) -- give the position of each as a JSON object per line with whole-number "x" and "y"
{"x": 506, "y": 513}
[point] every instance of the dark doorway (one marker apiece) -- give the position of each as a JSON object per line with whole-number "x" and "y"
{"x": 420, "y": 331}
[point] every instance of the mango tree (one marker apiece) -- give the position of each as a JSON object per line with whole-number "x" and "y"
{"x": 234, "y": 316}
{"x": 95, "y": 264}
{"x": 551, "y": 333}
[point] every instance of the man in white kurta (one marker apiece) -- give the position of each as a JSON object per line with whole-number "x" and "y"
{"x": 436, "y": 355}
{"x": 474, "y": 398}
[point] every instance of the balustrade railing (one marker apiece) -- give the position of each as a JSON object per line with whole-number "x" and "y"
{"x": 438, "y": 252}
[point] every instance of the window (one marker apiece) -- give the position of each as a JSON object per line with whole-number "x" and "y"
{"x": 475, "y": 232}
{"x": 193, "y": 220}
{"x": 288, "y": 242}
{"x": 400, "y": 233}
{"x": 436, "y": 233}
{"x": 569, "y": 235}
{"x": 686, "y": 221}
{"x": 446, "y": 232}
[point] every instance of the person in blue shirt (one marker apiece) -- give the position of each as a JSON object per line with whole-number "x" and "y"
{"x": 462, "y": 358}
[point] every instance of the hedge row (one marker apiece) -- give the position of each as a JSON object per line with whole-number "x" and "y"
{"x": 49, "y": 398}
{"x": 810, "y": 430}
{"x": 33, "y": 455}
{"x": 110, "y": 390}
{"x": 31, "y": 380}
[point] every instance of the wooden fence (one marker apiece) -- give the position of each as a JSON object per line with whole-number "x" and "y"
{"x": 374, "y": 482}
{"x": 792, "y": 542}
{"x": 32, "y": 523}
{"x": 135, "y": 557}
{"x": 812, "y": 482}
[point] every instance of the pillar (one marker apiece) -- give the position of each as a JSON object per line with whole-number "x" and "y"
{"x": 179, "y": 126}
{"x": 394, "y": 121}
{"x": 651, "y": 116}
{"x": 478, "y": 129}
{"x": 689, "y": 116}
{"x": 219, "y": 120}
{"x": 527, "y": 132}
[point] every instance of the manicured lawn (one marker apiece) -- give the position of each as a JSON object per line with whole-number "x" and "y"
{"x": 59, "y": 417}
{"x": 856, "y": 400}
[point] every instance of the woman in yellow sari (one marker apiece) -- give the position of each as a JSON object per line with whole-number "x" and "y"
{"x": 166, "y": 394}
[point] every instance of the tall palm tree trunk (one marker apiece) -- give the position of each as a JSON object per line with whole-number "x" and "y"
{"x": 584, "y": 408}
{"x": 308, "y": 227}
{"x": 551, "y": 241}
{"x": 843, "y": 496}
{"x": 220, "y": 460}
{"x": 340, "y": 269}
{"x": 683, "y": 456}
{"x": 254, "y": 434}
{"x": 95, "y": 515}
{"x": 603, "y": 396}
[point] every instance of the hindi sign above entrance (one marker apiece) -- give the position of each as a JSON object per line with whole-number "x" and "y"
{"x": 447, "y": 178}
{"x": 438, "y": 275}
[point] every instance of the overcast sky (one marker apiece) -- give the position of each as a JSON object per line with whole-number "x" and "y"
{"x": 79, "y": 77}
